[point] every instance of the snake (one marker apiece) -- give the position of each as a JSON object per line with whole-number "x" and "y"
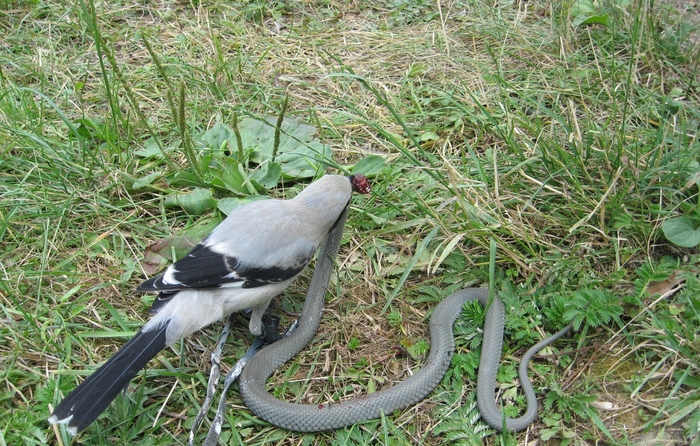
{"x": 335, "y": 415}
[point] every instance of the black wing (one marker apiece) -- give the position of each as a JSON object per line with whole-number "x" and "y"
{"x": 204, "y": 268}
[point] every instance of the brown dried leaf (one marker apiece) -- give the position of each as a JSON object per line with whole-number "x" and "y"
{"x": 159, "y": 254}
{"x": 665, "y": 286}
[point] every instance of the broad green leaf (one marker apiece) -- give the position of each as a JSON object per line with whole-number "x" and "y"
{"x": 94, "y": 129}
{"x": 227, "y": 173}
{"x": 585, "y": 12}
{"x": 597, "y": 19}
{"x": 268, "y": 175}
{"x": 218, "y": 136}
{"x": 220, "y": 172}
{"x": 681, "y": 232}
{"x": 693, "y": 174}
{"x": 370, "y": 165}
{"x": 143, "y": 182}
{"x": 429, "y": 136}
{"x": 196, "y": 202}
{"x": 303, "y": 161}
{"x": 299, "y": 154}
{"x": 582, "y": 7}
{"x": 184, "y": 178}
{"x": 152, "y": 150}
{"x": 227, "y": 205}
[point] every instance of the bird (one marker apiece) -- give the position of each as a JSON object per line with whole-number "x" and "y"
{"x": 247, "y": 260}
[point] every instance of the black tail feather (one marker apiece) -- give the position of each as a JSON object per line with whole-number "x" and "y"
{"x": 87, "y": 401}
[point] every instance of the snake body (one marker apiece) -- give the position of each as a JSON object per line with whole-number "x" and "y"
{"x": 321, "y": 417}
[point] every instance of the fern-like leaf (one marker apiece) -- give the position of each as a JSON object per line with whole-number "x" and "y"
{"x": 592, "y": 306}
{"x": 460, "y": 423}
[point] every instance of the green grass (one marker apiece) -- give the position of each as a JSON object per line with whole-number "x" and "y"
{"x": 566, "y": 145}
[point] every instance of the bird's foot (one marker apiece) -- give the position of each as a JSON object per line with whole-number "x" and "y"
{"x": 270, "y": 322}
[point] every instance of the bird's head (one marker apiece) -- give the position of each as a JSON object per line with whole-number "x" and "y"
{"x": 360, "y": 183}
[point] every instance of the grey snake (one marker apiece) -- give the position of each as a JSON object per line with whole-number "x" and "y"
{"x": 321, "y": 417}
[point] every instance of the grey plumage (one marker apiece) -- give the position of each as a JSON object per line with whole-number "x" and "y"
{"x": 254, "y": 254}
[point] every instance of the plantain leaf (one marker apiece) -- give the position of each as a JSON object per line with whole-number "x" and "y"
{"x": 681, "y": 232}
{"x": 300, "y": 154}
{"x": 268, "y": 175}
{"x": 226, "y": 205}
{"x": 196, "y": 202}
{"x": 370, "y": 165}
{"x": 586, "y": 12}
{"x": 218, "y": 136}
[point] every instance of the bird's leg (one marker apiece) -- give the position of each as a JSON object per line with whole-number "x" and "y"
{"x": 268, "y": 324}
{"x": 264, "y": 324}
{"x": 256, "y": 313}
{"x": 213, "y": 377}
{"x": 215, "y": 429}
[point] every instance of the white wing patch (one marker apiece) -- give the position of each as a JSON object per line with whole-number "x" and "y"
{"x": 169, "y": 276}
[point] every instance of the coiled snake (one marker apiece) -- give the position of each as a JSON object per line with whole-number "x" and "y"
{"x": 312, "y": 418}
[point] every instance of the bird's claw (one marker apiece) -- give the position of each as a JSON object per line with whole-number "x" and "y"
{"x": 270, "y": 323}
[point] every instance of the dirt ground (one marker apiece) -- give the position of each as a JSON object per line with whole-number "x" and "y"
{"x": 690, "y": 11}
